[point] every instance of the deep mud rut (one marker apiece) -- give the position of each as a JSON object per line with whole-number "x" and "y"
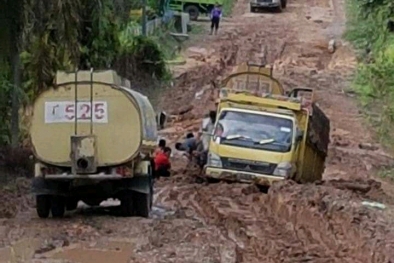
{"x": 324, "y": 222}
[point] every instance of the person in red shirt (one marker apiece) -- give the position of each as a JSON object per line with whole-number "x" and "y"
{"x": 162, "y": 163}
{"x": 160, "y": 147}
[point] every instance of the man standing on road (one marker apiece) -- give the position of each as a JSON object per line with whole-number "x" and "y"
{"x": 216, "y": 15}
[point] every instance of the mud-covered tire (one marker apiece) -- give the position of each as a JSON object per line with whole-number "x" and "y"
{"x": 143, "y": 203}
{"x": 193, "y": 12}
{"x": 71, "y": 204}
{"x": 58, "y": 206}
{"x": 43, "y": 206}
{"x": 127, "y": 204}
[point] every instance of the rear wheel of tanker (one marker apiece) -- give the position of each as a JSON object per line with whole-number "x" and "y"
{"x": 58, "y": 206}
{"x": 71, "y": 204}
{"x": 143, "y": 203}
{"x": 43, "y": 206}
{"x": 127, "y": 204}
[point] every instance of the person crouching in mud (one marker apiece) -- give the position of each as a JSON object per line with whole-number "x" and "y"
{"x": 216, "y": 15}
{"x": 162, "y": 163}
{"x": 188, "y": 146}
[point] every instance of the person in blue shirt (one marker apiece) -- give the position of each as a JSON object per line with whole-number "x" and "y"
{"x": 216, "y": 15}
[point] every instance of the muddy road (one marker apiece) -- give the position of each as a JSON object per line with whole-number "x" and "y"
{"x": 228, "y": 223}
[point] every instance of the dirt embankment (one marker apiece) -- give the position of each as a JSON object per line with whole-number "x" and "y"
{"x": 229, "y": 223}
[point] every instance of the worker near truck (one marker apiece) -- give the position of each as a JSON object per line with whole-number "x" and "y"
{"x": 188, "y": 145}
{"x": 162, "y": 163}
{"x": 160, "y": 147}
{"x": 216, "y": 15}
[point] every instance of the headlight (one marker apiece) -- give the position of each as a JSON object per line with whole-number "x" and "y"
{"x": 275, "y": 1}
{"x": 214, "y": 160}
{"x": 283, "y": 169}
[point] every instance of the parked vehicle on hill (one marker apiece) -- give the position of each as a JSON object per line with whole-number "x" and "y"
{"x": 256, "y": 5}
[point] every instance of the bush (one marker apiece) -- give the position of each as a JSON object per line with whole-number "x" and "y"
{"x": 368, "y": 30}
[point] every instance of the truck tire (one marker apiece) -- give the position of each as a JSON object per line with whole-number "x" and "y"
{"x": 143, "y": 203}
{"x": 43, "y": 206}
{"x": 193, "y": 12}
{"x": 283, "y": 3}
{"x": 127, "y": 204}
{"x": 71, "y": 204}
{"x": 58, "y": 206}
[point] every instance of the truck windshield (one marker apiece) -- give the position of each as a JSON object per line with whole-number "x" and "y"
{"x": 255, "y": 131}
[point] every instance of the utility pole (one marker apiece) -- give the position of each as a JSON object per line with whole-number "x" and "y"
{"x": 144, "y": 17}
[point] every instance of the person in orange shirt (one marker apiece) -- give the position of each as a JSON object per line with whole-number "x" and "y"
{"x": 162, "y": 163}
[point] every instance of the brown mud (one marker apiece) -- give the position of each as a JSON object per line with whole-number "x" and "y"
{"x": 322, "y": 222}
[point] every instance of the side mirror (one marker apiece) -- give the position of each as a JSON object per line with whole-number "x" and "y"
{"x": 299, "y": 135}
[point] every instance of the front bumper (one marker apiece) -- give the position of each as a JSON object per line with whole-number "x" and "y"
{"x": 238, "y": 176}
{"x": 100, "y": 176}
{"x": 264, "y": 5}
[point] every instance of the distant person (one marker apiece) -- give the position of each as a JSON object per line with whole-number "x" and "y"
{"x": 216, "y": 15}
{"x": 162, "y": 163}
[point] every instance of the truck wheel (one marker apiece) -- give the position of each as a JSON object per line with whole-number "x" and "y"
{"x": 58, "y": 206}
{"x": 143, "y": 203}
{"x": 127, "y": 204}
{"x": 43, "y": 206}
{"x": 253, "y": 9}
{"x": 283, "y": 3}
{"x": 71, "y": 204}
{"x": 193, "y": 12}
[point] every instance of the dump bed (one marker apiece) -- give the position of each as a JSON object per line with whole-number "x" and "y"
{"x": 123, "y": 119}
{"x": 257, "y": 79}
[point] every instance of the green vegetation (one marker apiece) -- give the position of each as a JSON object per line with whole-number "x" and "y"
{"x": 371, "y": 32}
{"x": 41, "y": 37}
{"x": 228, "y": 7}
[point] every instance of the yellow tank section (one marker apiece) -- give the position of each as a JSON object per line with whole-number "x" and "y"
{"x": 123, "y": 120}
{"x": 253, "y": 78}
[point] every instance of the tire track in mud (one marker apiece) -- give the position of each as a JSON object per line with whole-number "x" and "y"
{"x": 293, "y": 223}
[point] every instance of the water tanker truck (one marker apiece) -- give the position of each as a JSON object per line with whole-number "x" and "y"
{"x": 93, "y": 139}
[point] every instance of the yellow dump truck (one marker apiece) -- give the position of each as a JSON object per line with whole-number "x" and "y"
{"x": 262, "y": 135}
{"x": 93, "y": 138}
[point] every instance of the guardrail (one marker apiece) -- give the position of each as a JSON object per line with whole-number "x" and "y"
{"x": 154, "y": 24}
{"x": 151, "y": 26}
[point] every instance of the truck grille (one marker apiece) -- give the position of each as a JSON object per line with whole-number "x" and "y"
{"x": 248, "y": 166}
{"x": 264, "y": 1}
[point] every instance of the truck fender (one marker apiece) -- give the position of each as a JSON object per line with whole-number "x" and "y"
{"x": 141, "y": 184}
{"x": 40, "y": 186}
